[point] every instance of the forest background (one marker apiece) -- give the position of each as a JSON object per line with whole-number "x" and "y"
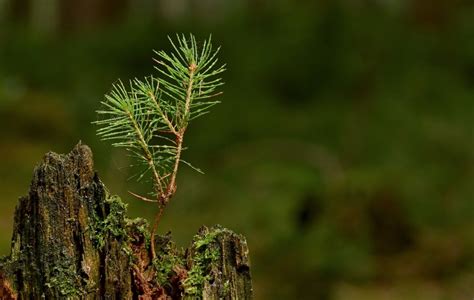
{"x": 343, "y": 148}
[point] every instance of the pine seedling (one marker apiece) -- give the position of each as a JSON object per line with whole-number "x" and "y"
{"x": 149, "y": 117}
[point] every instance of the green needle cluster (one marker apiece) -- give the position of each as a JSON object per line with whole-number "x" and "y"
{"x": 149, "y": 117}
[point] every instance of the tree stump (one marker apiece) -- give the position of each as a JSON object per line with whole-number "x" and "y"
{"x": 72, "y": 240}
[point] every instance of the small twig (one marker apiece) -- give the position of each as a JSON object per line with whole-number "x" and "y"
{"x": 142, "y": 198}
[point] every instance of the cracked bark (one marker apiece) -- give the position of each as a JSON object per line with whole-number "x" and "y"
{"x": 65, "y": 244}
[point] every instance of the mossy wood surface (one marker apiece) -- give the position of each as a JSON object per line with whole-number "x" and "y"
{"x": 72, "y": 240}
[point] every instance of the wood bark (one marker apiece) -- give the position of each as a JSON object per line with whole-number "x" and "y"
{"x": 72, "y": 240}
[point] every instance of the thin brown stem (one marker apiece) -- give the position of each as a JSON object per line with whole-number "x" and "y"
{"x": 172, "y": 185}
{"x": 153, "y": 230}
{"x": 164, "y": 198}
{"x": 179, "y": 137}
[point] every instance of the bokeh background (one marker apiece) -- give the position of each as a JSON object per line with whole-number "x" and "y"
{"x": 343, "y": 148}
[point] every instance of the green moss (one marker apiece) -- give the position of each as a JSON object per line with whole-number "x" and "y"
{"x": 113, "y": 225}
{"x": 64, "y": 279}
{"x": 137, "y": 233}
{"x": 227, "y": 287}
{"x": 116, "y": 225}
{"x": 138, "y": 229}
{"x": 15, "y": 252}
{"x": 168, "y": 260}
{"x": 5, "y": 266}
{"x": 206, "y": 255}
{"x": 165, "y": 266}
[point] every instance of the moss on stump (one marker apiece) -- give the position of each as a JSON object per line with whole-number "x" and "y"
{"x": 72, "y": 240}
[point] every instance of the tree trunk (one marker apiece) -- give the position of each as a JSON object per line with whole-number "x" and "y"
{"x": 72, "y": 240}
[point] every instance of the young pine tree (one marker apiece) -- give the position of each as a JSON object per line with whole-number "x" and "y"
{"x": 149, "y": 118}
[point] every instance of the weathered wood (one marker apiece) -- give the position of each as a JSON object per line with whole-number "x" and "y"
{"x": 72, "y": 240}
{"x": 225, "y": 255}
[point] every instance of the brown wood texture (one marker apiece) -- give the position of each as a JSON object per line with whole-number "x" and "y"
{"x": 72, "y": 240}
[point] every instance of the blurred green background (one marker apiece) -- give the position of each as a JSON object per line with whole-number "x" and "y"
{"x": 343, "y": 148}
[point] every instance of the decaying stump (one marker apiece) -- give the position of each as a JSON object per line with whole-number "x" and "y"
{"x": 72, "y": 240}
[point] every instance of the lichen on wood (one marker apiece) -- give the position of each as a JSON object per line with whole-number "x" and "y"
{"x": 218, "y": 261}
{"x": 72, "y": 240}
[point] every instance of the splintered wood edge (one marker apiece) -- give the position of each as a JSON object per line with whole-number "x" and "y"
{"x": 6, "y": 290}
